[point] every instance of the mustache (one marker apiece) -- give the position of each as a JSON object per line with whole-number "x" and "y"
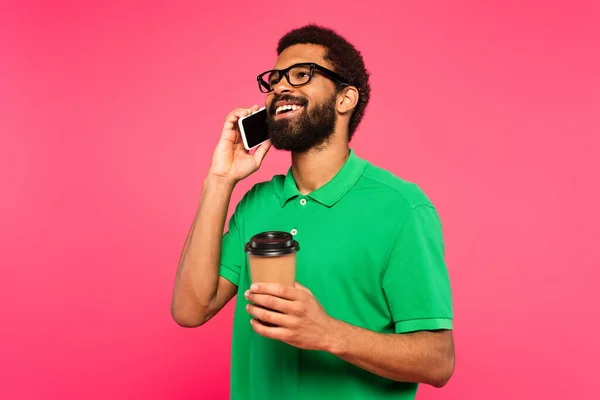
{"x": 286, "y": 97}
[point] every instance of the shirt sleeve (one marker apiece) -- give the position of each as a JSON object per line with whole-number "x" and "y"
{"x": 416, "y": 281}
{"x": 232, "y": 249}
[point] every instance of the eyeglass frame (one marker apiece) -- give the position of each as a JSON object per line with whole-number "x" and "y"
{"x": 285, "y": 72}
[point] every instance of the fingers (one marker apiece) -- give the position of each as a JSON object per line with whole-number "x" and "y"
{"x": 247, "y": 111}
{"x": 272, "y": 302}
{"x": 232, "y": 117}
{"x": 270, "y": 332}
{"x": 261, "y": 151}
{"x": 275, "y": 289}
{"x": 268, "y": 316}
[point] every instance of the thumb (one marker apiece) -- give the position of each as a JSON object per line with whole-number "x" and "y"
{"x": 261, "y": 152}
{"x": 305, "y": 289}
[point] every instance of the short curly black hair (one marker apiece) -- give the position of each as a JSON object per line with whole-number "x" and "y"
{"x": 345, "y": 59}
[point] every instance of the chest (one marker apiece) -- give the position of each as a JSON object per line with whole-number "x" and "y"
{"x": 343, "y": 251}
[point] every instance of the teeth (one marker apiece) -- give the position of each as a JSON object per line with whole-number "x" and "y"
{"x": 292, "y": 107}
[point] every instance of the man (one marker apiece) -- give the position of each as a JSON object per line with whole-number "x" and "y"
{"x": 371, "y": 315}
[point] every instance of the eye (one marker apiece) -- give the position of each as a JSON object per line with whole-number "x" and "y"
{"x": 297, "y": 75}
{"x": 273, "y": 78}
{"x": 300, "y": 74}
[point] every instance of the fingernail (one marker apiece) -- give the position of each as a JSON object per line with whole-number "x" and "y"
{"x": 254, "y": 287}
{"x": 247, "y": 307}
{"x": 247, "y": 293}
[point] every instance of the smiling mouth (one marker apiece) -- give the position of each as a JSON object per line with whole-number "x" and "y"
{"x": 287, "y": 110}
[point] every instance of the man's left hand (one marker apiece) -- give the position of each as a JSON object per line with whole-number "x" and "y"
{"x": 300, "y": 319}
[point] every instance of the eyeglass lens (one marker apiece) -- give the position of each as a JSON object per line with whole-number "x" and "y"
{"x": 298, "y": 75}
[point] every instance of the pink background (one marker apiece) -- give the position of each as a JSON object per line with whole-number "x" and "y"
{"x": 108, "y": 117}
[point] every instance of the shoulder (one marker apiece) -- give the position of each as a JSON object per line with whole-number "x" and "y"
{"x": 262, "y": 192}
{"x": 395, "y": 188}
{"x": 405, "y": 202}
{"x": 267, "y": 188}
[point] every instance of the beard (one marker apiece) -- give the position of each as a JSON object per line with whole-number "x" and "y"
{"x": 309, "y": 129}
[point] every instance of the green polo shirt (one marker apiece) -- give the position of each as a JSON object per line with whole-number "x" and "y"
{"x": 371, "y": 251}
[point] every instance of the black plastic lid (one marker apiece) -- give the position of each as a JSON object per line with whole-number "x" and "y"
{"x": 272, "y": 244}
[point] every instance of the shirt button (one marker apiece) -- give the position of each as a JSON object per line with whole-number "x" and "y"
{"x": 303, "y": 202}
{"x": 294, "y": 231}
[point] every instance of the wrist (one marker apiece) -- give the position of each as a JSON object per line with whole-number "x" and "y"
{"x": 337, "y": 338}
{"x": 219, "y": 181}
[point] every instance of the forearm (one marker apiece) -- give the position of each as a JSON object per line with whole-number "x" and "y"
{"x": 196, "y": 282}
{"x": 424, "y": 357}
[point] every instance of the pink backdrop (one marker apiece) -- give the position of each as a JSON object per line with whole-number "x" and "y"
{"x": 108, "y": 117}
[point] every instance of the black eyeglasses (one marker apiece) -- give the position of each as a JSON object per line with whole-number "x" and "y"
{"x": 297, "y": 75}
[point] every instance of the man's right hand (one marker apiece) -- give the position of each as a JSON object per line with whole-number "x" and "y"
{"x": 231, "y": 161}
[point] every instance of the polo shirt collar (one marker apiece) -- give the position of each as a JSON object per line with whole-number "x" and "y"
{"x": 332, "y": 191}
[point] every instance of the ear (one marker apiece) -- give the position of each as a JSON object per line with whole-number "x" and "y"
{"x": 347, "y": 100}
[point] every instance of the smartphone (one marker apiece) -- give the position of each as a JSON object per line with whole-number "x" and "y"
{"x": 253, "y": 128}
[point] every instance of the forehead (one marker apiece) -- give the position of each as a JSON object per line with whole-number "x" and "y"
{"x": 299, "y": 53}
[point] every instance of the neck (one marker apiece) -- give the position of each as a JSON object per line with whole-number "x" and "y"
{"x": 316, "y": 167}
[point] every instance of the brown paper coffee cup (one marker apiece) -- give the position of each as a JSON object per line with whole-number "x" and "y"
{"x": 272, "y": 257}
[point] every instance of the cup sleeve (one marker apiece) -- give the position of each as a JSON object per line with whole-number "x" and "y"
{"x": 415, "y": 280}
